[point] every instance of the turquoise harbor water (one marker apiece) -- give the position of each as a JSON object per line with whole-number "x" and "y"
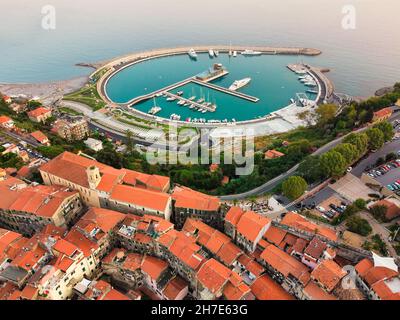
{"x": 272, "y": 83}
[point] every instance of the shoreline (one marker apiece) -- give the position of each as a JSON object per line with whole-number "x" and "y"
{"x": 47, "y": 92}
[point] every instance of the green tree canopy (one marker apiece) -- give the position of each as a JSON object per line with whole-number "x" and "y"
{"x": 294, "y": 187}
{"x": 325, "y": 113}
{"x": 360, "y": 140}
{"x": 359, "y": 225}
{"x": 376, "y": 138}
{"x": 387, "y": 130}
{"x": 310, "y": 169}
{"x": 348, "y": 151}
{"x": 333, "y": 164}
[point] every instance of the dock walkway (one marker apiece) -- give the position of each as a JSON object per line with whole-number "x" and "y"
{"x": 196, "y": 104}
{"x": 227, "y": 91}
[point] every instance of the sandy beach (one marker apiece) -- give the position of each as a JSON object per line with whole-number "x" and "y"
{"x": 46, "y": 92}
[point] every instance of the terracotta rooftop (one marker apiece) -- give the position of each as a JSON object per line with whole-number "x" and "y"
{"x": 272, "y": 154}
{"x": 316, "y": 248}
{"x": 141, "y": 197}
{"x": 393, "y": 210}
{"x": 328, "y": 274}
{"x": 4, "y": 119}
{"x": 213, "y": 275}
{"x": 188, "y": 198}
{"x": 154, "y": 267}
{"x": 103, "y": 219}
{"x": 275, "y": 235}
{"x": 251, "y": 224}
{"x": 38, "y": 112}
{"x": 174, "y": 288}
{"x": 39, "y": 136}
{"x": 233, "y": 215}
{"x": 297, "y": 221}
{"x": 264, "y": 288}
{"x": 383, "y": 112}
{"x": 285, "y": 263}
{"x": 314, "y": 292}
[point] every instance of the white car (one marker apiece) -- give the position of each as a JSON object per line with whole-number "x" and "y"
{"x": 321, "y": 209}
{"x": 349, "y": 169}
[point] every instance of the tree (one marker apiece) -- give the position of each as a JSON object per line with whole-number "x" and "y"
{"x": 376, "y": 138}
{"x": 325, "y": 113}
{"x": 294, "y": 187}
{"x": 333, "y": 164}
{"x": 379, "y": 212}
{"x": 310, "y": 169}
{"x": 391, "y": 156}
{"x": 360, "y": 140}
{"x": 50, "y": 151}
{"x": 348, "y": 151}
{"x": 387, "y": 130}
{"x": 359, "y": 225}
{"x": 129, "y": 141}
{"x": 360, "y": 203}
{"x": 306, "y": 116}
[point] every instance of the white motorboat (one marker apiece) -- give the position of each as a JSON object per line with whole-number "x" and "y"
{"x": 192, "y": 54}
{"x": 154, "y": 110}
{"x": 211, "y": 53}
{"x": 234, "y": 54}
{"x": 171, "y": 99}
{"x": 239, "y": 84}
{"x": 216, "y": 53}
{"x": 249, "y": 52}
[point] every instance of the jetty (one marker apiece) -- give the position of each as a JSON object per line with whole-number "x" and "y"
{"x": 210, "y": 108}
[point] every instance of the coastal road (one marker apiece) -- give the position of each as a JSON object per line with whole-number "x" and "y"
{"x": 268, "y": 186}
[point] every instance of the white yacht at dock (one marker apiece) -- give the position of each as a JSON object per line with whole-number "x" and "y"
{"x": 249, "y": 52}
{"x": 192, "y": 53}
{"x": 239, "y": 84}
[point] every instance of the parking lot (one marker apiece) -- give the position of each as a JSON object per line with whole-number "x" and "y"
{"x": 388, "y": 175}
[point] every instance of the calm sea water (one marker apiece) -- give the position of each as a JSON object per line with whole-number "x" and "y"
{"x": 361, "y": 60}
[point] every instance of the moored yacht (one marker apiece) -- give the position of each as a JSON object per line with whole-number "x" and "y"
{"x": 239, "y": 84}
{"x": 234, "y": 54}
{"x": 192, "y": 53}
{"x": 249, "y": 52}
{"x": 211, "y": 53}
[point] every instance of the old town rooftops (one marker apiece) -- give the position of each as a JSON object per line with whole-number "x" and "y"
{"x": 285, "y": 263}
{"x": 38, "y": 200}
{"x": 215, "y": 241}
{"x": 264, "y": 288}
{"x": 187, "y": 198}
{"x": 297, "y": 221}
{"x": 72, "y": 167}
{"x": 328, "y": 274}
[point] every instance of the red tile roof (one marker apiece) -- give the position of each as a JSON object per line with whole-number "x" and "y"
{"x": 314, "y": 292}
{"x": 251, "y": 224}
{"x": 188, "y": 198}
{"x": 272, "y": 154}
{"x": 40, "y": 200}
{"x": 251, "y": 265}
{"x": 39, "y": 136}
{"x": 275, "y": 235}
{"x": 385, "y": 112}
{"x": 328, "y": 274}
{"x": 174, "y": 288}
{"x": 316, "y": 248}
{"x": 154, "y": 267}
{"x": 84, "y": 244}
{"x": 38, "y": 112}
{"x": 285, "y": 263}
{"x": 264, "y": 288}
{"x": 141, "y": 197}
{"x": 383, "y": 289}
{"x": 233, "y": 215}
{"x": 114, "y": 295}
{"x": 104, "y": 219}
{"x": 213, "y": 275}
{"x": 4, "y": 119}
{"x": 297, "y": 221}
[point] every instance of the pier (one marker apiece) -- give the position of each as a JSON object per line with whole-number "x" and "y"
{"x": 196, "y": 104}
{"x": 227, "y": 91}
